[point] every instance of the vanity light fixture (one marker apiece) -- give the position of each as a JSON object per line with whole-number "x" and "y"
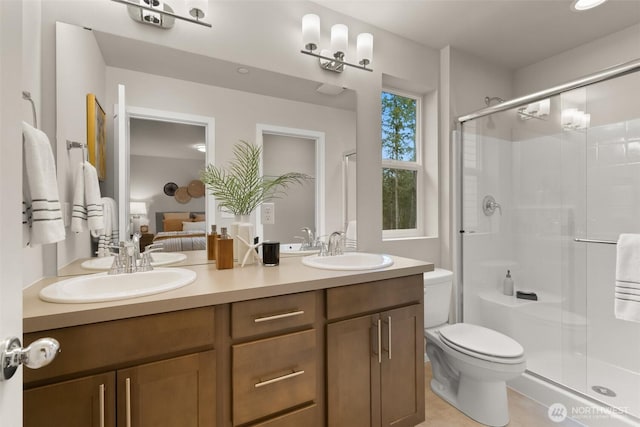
{"x": 574, "y": 119}
{"x": 334, "y": 59}
{"x": 160, "y": 14}
{"x": 535, "y": 110}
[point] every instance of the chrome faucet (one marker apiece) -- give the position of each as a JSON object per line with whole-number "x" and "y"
{"x": 128, "y": 258}
{"x": 335, "y": 246}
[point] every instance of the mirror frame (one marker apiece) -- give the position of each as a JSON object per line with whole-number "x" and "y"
{"x": 124, "y": 148}
{"x": 319, "y": 138}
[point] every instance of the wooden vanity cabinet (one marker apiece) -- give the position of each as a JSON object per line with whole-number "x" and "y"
{"x": 277, "y": 369}
{"x": 375, "y": 345}
{"x": 156, "y": 370}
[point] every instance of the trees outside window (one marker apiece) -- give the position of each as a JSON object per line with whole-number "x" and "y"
{"x": 401, "y": 164}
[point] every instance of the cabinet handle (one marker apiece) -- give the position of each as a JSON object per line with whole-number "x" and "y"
{"x": 127, "y": 383}
{"x": 389, "y": 349}
{"x": 379, "y": 341}
{"x": 280, "y": 378}
{"x": 278, "y": 316}
{"x": 101, "y": 388}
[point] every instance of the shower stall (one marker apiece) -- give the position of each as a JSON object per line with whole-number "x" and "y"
{"x": 546, "y": 184}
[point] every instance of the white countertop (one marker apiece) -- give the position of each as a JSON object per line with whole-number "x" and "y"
{"x": 212, "y": 287}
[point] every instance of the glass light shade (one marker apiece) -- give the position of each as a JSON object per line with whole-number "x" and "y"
{"x": 339, "y": 38}
{"x": 545, "y": 107}
{"x": 311, "y": 31}
{"x": 586, "y": 4}
{"x": 137, "y": 208}
{"x": 568, "y": 116}
{"x": 197, "y": 8}
{"x": 364, "y": 48}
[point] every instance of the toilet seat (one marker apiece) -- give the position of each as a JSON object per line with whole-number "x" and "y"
{"x": 482, "y": 343}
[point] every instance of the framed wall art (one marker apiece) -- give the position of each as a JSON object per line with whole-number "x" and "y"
{"x": 97, "y": 136}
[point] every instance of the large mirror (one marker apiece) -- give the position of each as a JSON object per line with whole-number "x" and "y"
{"x": 266, "y": 108}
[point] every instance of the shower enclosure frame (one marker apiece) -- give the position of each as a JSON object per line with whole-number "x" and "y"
{"x": 458, "y": 168}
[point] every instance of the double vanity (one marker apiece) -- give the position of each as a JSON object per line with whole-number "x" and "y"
{"x": 290, "y": 345}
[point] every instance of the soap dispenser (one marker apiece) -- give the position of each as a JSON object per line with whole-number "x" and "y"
{"x": 507, "y": 284}
{"x": 224, "y": 251}
{"x": 212, "y": 243}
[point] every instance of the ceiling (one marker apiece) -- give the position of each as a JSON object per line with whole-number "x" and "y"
{"x": 510, "y": 33}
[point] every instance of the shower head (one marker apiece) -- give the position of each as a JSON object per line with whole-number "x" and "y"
{"x": 488, "y": 100}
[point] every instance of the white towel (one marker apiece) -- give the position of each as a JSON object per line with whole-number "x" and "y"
{"x": 42, "y": 203}
{"x": 87, "y": 207}
{"x": 627, "y": 293}
{"x": 109, "y": 235}
{"x": 93, "y": 199}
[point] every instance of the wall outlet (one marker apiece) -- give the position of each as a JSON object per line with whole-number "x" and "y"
{"x": 268, "y": 213}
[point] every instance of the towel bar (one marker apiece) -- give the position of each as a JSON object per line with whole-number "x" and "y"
{"x": 606, "y": 242}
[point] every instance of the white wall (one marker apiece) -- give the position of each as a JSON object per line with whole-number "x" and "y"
{"x": 297, "y": 209}
{"x": 80, "y": 69}
{"x": 614, "y": 49}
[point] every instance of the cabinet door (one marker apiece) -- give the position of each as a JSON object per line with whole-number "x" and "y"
{"x": 402, "y": 369}
{"x": 83, "y": 402}
{"x": 353, "y": 368}
{"x": 168, "y": 393}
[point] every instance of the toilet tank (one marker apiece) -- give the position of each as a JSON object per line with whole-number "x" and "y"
{"x": 437, "y": 297}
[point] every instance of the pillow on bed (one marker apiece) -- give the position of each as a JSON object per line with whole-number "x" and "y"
{"x": 172, "y": 224}
{"x": 193, "y": 226}
{"x": 176, "y": 215}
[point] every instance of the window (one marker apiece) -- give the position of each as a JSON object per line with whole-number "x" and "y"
{"x": 402, "y": 172}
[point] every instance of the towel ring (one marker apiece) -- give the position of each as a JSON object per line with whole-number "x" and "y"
{"x": 76, "y": 144}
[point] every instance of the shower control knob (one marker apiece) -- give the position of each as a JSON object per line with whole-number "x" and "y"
{"x": 40, "y": 353}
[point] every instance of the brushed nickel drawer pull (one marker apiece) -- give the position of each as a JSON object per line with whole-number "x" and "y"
{"x": 389, "y": 350}
{"x": 281, "y": 378}
{"x": 379, "y": 341}
{"x": 278, "y": 316}
{"x": 101, "y": 388}
{"x": 128, "y": 401}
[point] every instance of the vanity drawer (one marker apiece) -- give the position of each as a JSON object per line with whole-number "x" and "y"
{"x": 272, "y": 375}
{"x": 345, "y": 301}
{"x": 273, "y": 314}
{"x": 116, "y": 343}
{"x": 307, "y": 417}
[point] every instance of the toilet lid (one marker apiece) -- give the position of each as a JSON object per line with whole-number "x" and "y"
{"x": 481, "y": 340}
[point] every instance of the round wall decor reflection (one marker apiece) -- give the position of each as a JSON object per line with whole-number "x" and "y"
{"x": 170, "y": 188}
{"x": 182, "y": 195}
{"x": 196, "y": 188}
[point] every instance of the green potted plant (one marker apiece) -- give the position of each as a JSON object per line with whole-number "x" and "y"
{"x": 240, "y": 189}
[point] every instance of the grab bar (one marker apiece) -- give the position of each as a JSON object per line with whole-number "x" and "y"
{"x": 606, "y": 242}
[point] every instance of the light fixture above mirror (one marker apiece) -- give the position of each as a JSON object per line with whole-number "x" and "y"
{"x": 159, "y": 13}
{"x": 334, "y": 59}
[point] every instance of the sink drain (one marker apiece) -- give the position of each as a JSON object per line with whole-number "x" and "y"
{"x": 604, "y": 391}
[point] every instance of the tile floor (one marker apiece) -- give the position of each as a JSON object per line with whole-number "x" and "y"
{"x": 524, "y": 412}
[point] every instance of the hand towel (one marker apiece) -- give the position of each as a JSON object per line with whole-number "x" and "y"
{"x": 109, "y": 235}
{"x": 87, "y": 207}
{"x": 41, "y": 189}
{"x": 627, "y": 290}
{"x": 79, "y": 211}
{"x": 92, "y": 198}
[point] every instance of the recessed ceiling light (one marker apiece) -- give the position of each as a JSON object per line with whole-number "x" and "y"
{"x": 242, "y": 70}
{"x": 579, "y": 5}
{"x": 201, "y": 147}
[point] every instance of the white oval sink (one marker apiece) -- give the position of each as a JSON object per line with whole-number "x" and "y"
{"x": 157, "y": 259}
{"x": 349, "y": 261}
{"x": 102, "y": 287}
{"x": 294, "y": 249}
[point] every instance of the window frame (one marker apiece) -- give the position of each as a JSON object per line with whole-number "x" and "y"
{"x": 417, "y": 166}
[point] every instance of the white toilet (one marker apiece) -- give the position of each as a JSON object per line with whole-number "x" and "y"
{"x": 470, "y": 363}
